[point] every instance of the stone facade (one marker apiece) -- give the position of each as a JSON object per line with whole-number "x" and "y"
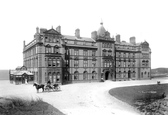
{"x": 69, "y": 59}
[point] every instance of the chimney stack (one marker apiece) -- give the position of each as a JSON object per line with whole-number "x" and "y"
{"x": 132, "y": 40}
{"x": 118, "y": 38}
{"x": 24, "y": 43}
{"x": 77, "y": 33}
{"x": 37, "y": 30}
{"x": 94, "y": 35}
{"x": 58, "y": 29}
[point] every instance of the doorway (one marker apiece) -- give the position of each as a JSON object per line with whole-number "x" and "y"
{"x": 129, "y": 74}
{"x": 107, "y": 75}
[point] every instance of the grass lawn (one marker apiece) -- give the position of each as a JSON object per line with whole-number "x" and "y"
{"x": 144, "y": 92}
{"x": 17, "y": 106}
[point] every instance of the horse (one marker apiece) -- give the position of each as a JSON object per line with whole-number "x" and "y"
{"x": 56, "y": 87}
{"x": 39, "y": 86}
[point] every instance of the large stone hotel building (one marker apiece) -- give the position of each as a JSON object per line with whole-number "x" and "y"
{"x": 69, "y": 59}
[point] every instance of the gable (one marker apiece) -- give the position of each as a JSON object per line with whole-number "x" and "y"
{"x": 52, "y": 31}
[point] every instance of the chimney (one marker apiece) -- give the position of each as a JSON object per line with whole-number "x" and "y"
{"x": 37, "y": 30}
{"x": 58, "y": 29}
{"x": 24, "y": 43}
{"x": 94, "y": 35}
{"x": 118, "y": 38}
{"x": 77, "y": 33}
{"x": 132, "y": 40}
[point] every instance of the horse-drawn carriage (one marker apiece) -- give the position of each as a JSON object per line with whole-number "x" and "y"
{"x": 47, "y": 88}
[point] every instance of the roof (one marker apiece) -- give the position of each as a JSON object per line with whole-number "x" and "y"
{"x": 127, "y": 44}
{"x": 79, "y": 39}
{"x": 101, "y": 31}
{"x": 19, "y": 73}
{"x": 52, "y": 31}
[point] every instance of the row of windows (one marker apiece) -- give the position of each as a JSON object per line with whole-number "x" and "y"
{"x": 107, "y": 53}
{"x": 50, "y": 49}
{"x": 53, "y": 62}
{"x": 132, "y": 70}
{"x": 145, "y": 63}
{"x": 143, "y": 74}
{"x": 126, "y": 47}
{"x": 107, "y": 63}
{"x": 107, "y": 45}
{"x": 85, "y": 52}
{"x": 85, "y": 63}
{"x": 52, "y": 39}
{"x": 121, "y": 54}
{"x": 30, "y": 52}
{"x": 125, "y": 75}
{"x": 85, "y": 75}
{"x": 31, "y": 62}
{"x": 125, "y": 64}
{"x": 53, "y": 77}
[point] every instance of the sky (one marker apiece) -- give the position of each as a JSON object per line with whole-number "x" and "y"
{"x": 147, "y": 20}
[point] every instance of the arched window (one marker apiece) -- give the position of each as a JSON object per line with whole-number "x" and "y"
{"x": 93, "y": 75}
{"x": 85, "y": 75}
{"x": 119, "y": 74}
{"x": 54, "y": 77}
{"x": 49, "y": 62}
{"x": 56, "y": 49}
{"x": 58, "y": 62}
{"x": 142, "y": 74}
{"x": 76, "y": 75}
{"x": 124, "y": 74}
{"x": 66, "y": 76}
{"x": 104, "y": 52}
{"x": 58, "y": 76}
{"x": 50, "y": 76}
{"x": 109, "y": 53}
{"x": 48, "y": 49}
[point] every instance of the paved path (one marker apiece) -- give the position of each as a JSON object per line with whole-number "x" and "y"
{"x": 80, "y": 98}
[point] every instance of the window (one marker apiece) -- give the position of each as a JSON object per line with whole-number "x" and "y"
{"x": 119, "y": 63}
{"x": 93, "y": 75}
{"x": 124, "y": 63}
{"x": 85, "y": 63}
{"x": 54, "y": 62}
{"x": 48, "y": 49}
{"x": 58, "y": 76}
{"x": 105, "y": 63}
{"x": 54, "y": 39}
{"x": 85, "y": 75}
{"x": 46, "y": 39}
{"x": 76, "y": 75}
{"x": 54, "y": 77}
{"x": 93, "y": 63}
{"x": 49, "y": 62}
{"x": 93, "y": 53}
{"x": 66, "y": 76}
{"x": 76, "y": 63}
{"x": 85, "y": 52}
{"x": 76, "y": 52}
{"x": 56, "y": 49}
{"x": 109, "y": 53}
{"x": 58, "y": 62}
{"x": 142, "y": 74}
{"x": 104, "y": 52}
{"x": 110, "y": 64}
{"x": 50, "y": 76}
{"x": 119, "y": 54}
{"x": 119, "y": 74}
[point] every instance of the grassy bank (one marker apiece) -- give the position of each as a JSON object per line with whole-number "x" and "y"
{"x": 146, "y": 98}
{"x": 18, "y": 106}
{"x": 143, "y": 92}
